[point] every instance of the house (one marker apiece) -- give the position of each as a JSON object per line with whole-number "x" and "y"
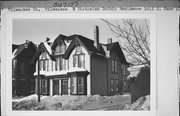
{"x": 23, "y": 69}
{"x": 139, "y": 81}
{"x": 76, "y": 65}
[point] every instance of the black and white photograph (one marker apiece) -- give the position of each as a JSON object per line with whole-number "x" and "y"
{"x": 81, "y": 64}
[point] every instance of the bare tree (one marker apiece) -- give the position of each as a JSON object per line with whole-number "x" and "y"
{"x": 133, "y": 38}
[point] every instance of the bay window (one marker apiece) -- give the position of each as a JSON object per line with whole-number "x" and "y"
{"x": 73, "y": 85}
{"x": 80, "y": 85}
{"x": 77, "y": 85}
{"x": 44, "y": 86}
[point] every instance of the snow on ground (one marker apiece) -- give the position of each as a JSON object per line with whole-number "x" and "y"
{"x": 142, "y": 103}
{"x": 69, "y": 102}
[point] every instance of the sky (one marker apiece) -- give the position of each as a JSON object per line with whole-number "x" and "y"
{"x": 37, "y": 30}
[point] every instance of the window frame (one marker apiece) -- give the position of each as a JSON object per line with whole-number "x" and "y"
{"x": 60, "y": 64}
{"x": 44, "y": 86}
{"x": 80, "y": 86}
{"x": 117, "y": 85}
{"x": 111, "y": 85}
{"x": 74, "y": 85}
{"x": 60, "y": 48}
{"x": 114, "y": 66}
{"x": 78, "y": 63}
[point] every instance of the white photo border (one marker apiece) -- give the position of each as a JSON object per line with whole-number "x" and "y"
{"x": 7, "y": 23}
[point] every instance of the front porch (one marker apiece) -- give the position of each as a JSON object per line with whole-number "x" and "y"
{"x": 72, "y": 83}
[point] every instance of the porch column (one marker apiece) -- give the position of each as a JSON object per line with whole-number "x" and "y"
{"x": 69, "y": 86}
{"x": 88, "y": 85}
{"x": 51, "y": 87}
{"x": 60, "y": 87}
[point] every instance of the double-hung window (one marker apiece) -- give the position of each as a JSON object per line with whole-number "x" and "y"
{"x": 112, "y": 85}
{"x": 60, "y": 64}
{"x": 79, "y": 58}
{"x": 114, "y": 66}
{"x": 60, "y": 49}
{"x": 117, "y": 85}
{"x": 44, "y": 86}
{"x": 44, "y": 62}
{"x": 73, "y": 85}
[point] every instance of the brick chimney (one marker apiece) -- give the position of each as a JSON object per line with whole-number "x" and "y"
{"x": 96, "y": 37}
{"x": 109, "y": 40}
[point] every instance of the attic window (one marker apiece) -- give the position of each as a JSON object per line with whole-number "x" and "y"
{"x": 78, "y": 49}
{"x": 44, "y": 56}
{"x": 60, "y": 48}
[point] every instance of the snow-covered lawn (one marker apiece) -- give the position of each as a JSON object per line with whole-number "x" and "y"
{"x": 69, "y": 102}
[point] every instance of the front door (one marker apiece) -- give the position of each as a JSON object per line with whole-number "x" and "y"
{"x": 55, "y": 87}
{"x": 64, "y": 87}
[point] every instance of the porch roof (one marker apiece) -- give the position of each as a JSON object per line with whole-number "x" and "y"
{"x": 62, "y": 72}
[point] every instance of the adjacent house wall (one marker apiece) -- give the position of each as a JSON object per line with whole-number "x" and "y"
{"x": 24, "y": 82}
{"x": 114, "y": 76}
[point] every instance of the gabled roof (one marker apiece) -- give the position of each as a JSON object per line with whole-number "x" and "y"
{"x": 115, "y": 46}
{"x": 60, "y": 38}
{"x": 43, "y": 47}
{"x": 88, "y": 44}
{"x": 19, "y": 48}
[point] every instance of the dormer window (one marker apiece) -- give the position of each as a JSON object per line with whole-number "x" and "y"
{"x": 60, "y": 49}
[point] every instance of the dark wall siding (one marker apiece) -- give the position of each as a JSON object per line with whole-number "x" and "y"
{"x": 114, "y": 76}
{"x": 98, "y": 75}
{"x": 24, "y": 82}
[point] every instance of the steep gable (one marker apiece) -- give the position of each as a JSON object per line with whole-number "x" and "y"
{"x": 18, "y": 49}
{"x": 43, "y": 47}
{"x": 116, "y": 47}
{"x": 85, "y": 42}
{"x": 60, "y": 38}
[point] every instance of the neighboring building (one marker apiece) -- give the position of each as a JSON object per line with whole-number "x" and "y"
{"x": 125, "y": 73}
{"x": 76, "y": 65}
{"x": 23, "y": 69}
{"x": 139, "y": 81}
